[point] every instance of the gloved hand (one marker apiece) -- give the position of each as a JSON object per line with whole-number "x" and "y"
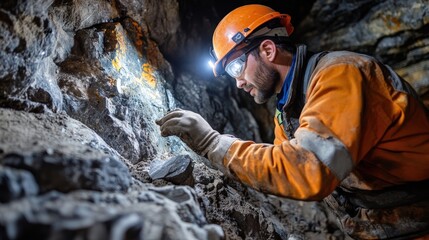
{"x": 196, "y": 132}
{"x": 190, "y": 127}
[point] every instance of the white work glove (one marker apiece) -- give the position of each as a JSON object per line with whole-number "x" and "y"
{"x": 197, "y": 133}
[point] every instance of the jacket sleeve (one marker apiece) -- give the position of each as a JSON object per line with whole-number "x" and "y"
{"x": 311, "y": 165}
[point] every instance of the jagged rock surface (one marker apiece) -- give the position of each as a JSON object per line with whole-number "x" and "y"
{"x": 396, "y": 32}
{"x": 81, "y": 85}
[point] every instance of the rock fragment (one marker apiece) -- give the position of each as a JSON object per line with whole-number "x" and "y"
{"x": 177, "y": 170}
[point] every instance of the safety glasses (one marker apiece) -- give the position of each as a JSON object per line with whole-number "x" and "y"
{"x": 235, "y": 68}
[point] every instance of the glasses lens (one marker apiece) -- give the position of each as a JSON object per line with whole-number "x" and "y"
{"x": 236, "y": 67}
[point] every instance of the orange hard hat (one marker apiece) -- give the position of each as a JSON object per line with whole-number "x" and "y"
{"x": 241, "y": 24}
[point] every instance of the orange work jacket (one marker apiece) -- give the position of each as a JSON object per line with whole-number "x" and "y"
{"x": 356, "y": 128}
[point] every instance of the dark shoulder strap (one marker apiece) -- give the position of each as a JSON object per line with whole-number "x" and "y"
{"x": 290, "y": 117}
{"x": 311, "y": 65}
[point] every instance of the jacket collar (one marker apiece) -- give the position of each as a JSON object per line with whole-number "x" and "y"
{"x": 287, "y": 95}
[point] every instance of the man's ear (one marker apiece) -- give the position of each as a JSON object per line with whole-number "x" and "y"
{"x": 268, "y": 50}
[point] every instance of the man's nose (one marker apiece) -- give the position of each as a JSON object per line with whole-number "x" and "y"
{"x": 240, "y": 82}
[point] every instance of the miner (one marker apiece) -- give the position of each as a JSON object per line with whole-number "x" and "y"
{"x": 348, "y": 130}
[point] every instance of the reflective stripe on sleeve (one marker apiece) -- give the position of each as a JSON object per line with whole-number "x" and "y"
{"x": 330, "y": 151}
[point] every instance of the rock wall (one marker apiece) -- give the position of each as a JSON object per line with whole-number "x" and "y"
{"x": 82, "y": 82}
{"x": 396, "y": 32}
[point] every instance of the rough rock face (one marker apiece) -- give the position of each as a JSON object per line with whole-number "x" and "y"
{"x": 81, "y": 84}
{"x": 396, "y": 32}
{"x": 96, "y": 215}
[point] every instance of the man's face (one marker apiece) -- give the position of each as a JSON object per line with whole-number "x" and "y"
{"x": 258, "y": 79}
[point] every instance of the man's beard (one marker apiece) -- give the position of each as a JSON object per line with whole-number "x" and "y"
{"x": 266, "y": 79}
